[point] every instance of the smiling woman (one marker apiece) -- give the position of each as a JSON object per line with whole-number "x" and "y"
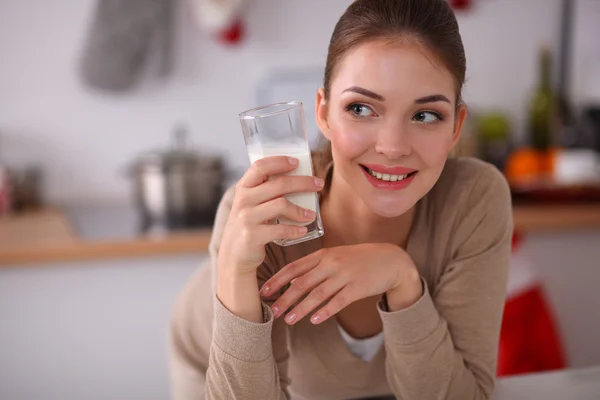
{"x": 403, "y": 295}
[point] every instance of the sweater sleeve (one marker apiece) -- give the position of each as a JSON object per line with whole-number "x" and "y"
{"x": 445, "y": 345}
{"x": 214, "y": 354}
{"x": 242, "y": 362}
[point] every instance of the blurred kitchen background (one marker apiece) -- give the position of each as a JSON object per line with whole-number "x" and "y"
{"x": 119, "y": 131}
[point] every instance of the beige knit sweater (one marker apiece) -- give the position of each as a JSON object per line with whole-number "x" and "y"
{"x": 442, "y": 347}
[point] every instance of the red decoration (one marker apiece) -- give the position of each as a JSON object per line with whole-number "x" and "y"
{"x": 529, "y": 339}
{"x": 460, "y": 4}
{"x": 234, "y": 34}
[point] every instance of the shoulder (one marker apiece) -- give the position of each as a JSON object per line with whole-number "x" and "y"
{"x": 194, "y": 304}
{"x": 472, "y": 197}
{"x": 471, "y": 172}
{"x": 469, "y": 181}
{"x": 221, "y": 218}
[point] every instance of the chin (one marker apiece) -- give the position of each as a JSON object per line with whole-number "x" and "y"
{"x": 390, "y": 206}
{"x": 393, "y": 203}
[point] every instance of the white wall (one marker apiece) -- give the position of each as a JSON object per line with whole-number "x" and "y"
{"x": 48, "y": 116}
{"x": 83, "y": 137}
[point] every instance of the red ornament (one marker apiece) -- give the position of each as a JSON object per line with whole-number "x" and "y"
{"x": 460, "y": 4}
{"x": 517, "y": 239}
{"x": 530, "y": 339}
{"x": 234, "y": 33}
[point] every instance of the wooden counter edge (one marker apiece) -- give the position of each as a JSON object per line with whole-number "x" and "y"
{"x": 528, "y": 219}
{"x": 82, "y": 250}
{"x": 556, "y": 218}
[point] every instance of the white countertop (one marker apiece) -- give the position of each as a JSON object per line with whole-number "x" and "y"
{"x": 569, "y": 384}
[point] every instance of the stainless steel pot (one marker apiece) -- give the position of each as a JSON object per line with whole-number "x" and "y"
{"x": 177, "y": 188}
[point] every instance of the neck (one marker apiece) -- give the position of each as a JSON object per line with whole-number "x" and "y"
{"x": 349, "y": 222}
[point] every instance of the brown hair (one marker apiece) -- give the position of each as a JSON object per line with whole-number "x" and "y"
{"x": 429, "y": 22}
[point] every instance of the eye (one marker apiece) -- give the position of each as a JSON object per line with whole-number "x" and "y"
{"x": 360, "y": 110}
{"x": 427, "y": 117}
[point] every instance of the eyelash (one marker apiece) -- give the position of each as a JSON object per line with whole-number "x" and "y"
{"x": 436, "y": 114}
{"x": 354, "y": 115}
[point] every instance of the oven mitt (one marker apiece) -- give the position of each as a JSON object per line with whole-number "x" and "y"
{"x": 120, "y": 38}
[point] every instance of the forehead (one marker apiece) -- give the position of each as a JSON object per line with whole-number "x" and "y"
{"x": 403, "y": 68}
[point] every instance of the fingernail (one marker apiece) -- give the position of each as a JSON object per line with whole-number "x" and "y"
{"x": 290, "y": 318}
{"x": 275, "y": 311}
{"x": 293, "y": 161}
{"x": 265, "y": 290}
{"x": 302, "y": 230}
{"x": 319, "y": 182}
{"x": 309, "y": 214}
{"x": 315, "y": 319}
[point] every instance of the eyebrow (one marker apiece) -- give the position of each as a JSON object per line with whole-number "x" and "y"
{"x": 365, "y": 92}
{"x": 423, "y": 100}
{"x": 432, "y": 99}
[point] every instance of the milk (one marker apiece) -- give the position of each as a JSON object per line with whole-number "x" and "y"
{"x": 300, "y": 152}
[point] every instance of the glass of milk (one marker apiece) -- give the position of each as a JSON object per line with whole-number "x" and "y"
{"x": 280, "y": 130}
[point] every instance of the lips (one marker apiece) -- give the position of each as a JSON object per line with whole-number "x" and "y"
{"x": 389, "y": 170}
{"x": 388, "y": 178}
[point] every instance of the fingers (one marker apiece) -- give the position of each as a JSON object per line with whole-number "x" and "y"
{"x": 317, "y": 297}
{"x": 344, "y": 298}
{"x": 299, "y": 288}
{"x": 280, "y": 207}
{"x": 260, "y": 170}
{"x": 277, "y": 187}
{"x": 263, "y": 234}
{"x": 292, "y": 271}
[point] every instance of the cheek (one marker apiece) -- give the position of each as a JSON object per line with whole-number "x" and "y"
{"x": 349, "y": 138}
{"x": 433, "y": 149}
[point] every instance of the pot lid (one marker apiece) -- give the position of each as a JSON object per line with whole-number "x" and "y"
{"x": 179, "y": 156}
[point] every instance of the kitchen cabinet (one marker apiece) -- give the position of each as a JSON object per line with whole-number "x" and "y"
{"x": 576, "y": 384}
{"x": 89, "y": 329}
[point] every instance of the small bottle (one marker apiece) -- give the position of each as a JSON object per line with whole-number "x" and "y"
{"x": 5, "y": 191}
{"x": 494, "y": 142}
{"x": 542, "y": 124}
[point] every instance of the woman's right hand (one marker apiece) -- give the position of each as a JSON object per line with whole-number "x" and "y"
{"x": 259, "y": 199}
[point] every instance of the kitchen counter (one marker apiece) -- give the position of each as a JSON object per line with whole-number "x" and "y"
{"x": 80, "y": 233}
{"x": 556, "y": 218}
{"x": 96, "y": 232}
{"x": 571, "y": 384}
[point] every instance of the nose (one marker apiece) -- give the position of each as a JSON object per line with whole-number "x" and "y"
{"x": 393, "y": 142}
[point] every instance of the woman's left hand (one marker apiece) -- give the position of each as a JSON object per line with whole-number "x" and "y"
{"x": 344, "y": 275}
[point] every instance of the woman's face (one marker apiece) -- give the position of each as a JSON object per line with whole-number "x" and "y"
{"x": 392, "y": 120}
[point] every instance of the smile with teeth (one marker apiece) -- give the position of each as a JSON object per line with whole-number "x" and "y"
{"x": 386, "y": 177}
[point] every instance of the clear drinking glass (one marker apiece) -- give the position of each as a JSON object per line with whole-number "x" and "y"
{"x": 280, "y": 130}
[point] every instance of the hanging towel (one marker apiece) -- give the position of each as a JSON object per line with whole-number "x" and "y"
{"x": 120, "y": 39}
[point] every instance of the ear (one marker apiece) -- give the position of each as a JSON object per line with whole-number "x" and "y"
{"x": 322, "y": 113}
{"x": 461, "y": 116}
